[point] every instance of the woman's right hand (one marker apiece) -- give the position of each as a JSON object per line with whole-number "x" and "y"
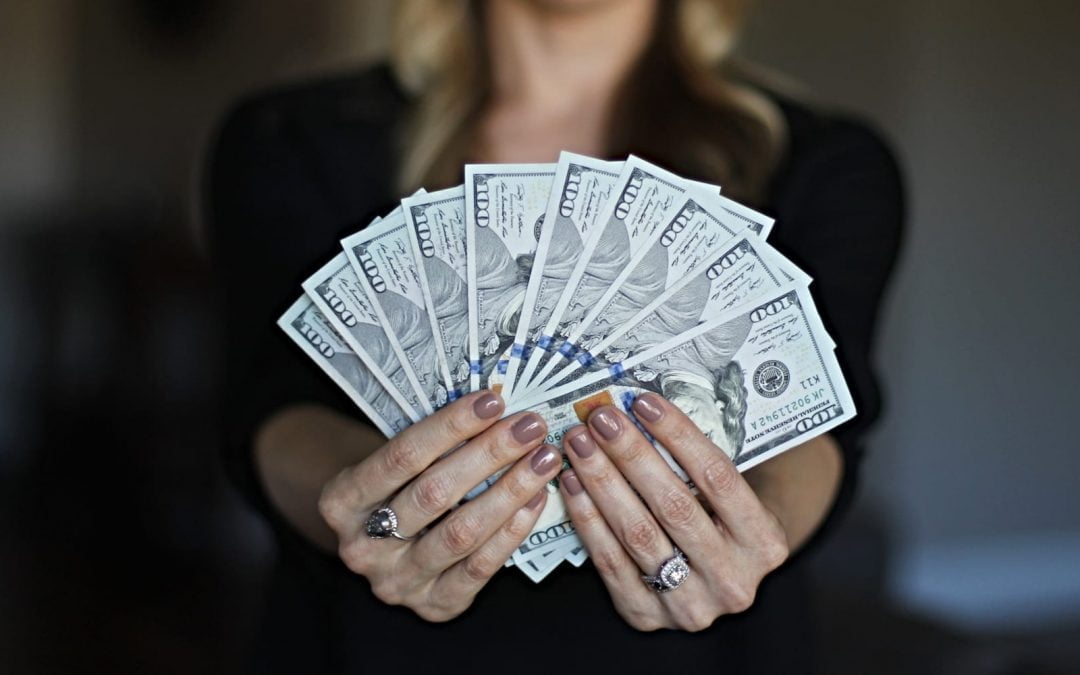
{"x": 438, "y": 574}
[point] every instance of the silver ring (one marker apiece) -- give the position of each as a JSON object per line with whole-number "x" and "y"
{"x": 383, "y": 523}
{"x": 672, "y": 573}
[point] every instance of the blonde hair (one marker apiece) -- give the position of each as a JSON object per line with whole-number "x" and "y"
{"x": 731, "y": 133}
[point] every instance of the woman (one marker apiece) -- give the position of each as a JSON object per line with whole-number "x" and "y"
{"x": 520, "y": 80}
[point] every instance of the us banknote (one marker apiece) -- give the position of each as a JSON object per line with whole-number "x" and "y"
{"x": 436, "y": 225}
{"x": 694, "y": 231}
{"x": 505, "y": 206}
{"x": 580, "y": 189}
{"x": 339, "y": 295}
{"x": 382, "y": 256}
{"x": 309, "y": 329}
{"x": 757, "y": 380}
{"x": 642, "y": 200}
{"x": 741, "y": 271}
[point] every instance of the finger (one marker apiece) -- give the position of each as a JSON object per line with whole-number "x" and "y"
{"x": 619, "y": 572}
{"x": 468, "y": 527}
{"x": 627, "y": 516}
{"x": 442, "y": 485}
{"x": 372, "y": 481}
{"x": 670, "y": 500}
{"x": 457, "y": 587}
{"x": 727, "y": 492}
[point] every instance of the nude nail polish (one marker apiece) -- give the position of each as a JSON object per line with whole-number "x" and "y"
{"x": 487, "y": 406}
{"x": 648, "y": 408}
{"x": 529, "y": 428}
{"x": 582, "y": 443}
{"x": 544, "y": 460}
{"x": 606, "y": 424}
{"x": 573, "y": 485}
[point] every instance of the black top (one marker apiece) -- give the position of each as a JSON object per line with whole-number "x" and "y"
{"x": 294, "y": 171}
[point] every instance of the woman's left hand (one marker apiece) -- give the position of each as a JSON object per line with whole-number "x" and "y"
{"x": 729, "y": 550}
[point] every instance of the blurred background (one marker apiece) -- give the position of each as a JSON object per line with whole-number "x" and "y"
{"x": 123, "y": 549}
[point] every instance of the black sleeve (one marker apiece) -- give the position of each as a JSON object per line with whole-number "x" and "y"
{"x": 269, "y": 227}
{"x": 840, "y": 210}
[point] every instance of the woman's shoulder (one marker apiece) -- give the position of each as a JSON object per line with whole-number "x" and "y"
{"x": 822, "y": 143}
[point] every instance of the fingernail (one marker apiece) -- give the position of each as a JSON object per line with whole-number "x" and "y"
{"x": 535, "y": 501}
{"x": 544, "y": 460}
{"x": 528, "y": 428}
{"x": 606, "y": 424}
{"x": 582, "y": 443}
{"x": 573, "y": 485}
{"x": 487, "y": 406}
{"x": 648, "y": 408}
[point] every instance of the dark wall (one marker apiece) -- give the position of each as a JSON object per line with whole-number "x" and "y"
{"x": 976, "y": 467}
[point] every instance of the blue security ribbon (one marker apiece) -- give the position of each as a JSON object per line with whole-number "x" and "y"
{"x": 545, "y": 342}
{"x": 616, "y": 370}
{"x": 501, "y": 366}
{"x": 568, "y": 349}
{"x": 474, "y": 367}
{"x": 585, "y": 358}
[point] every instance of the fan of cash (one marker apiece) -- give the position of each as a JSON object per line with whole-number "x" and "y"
{"x": 566, "y": 287}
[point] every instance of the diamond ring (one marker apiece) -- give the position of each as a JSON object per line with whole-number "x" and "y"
{"x": 672, "y": 573}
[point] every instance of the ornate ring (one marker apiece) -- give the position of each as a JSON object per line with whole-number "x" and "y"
{"x": 672, "y": 573}
{"x": 383, "y": 523}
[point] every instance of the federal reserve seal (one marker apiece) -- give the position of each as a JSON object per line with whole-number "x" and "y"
{"x": 771, "y": 379}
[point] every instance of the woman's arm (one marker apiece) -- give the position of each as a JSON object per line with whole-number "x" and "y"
{"x": 799, "y": 486}
{"x": 297, "y": 451}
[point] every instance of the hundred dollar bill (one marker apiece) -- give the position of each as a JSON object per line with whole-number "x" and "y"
{"x": 340, "y": 297}
{"x": 436, "y": 224}
{"x": 642, "y": 199}
{"x": 577, "y": 556}
{"x": 382, "y": 256}
{"x": 757, "y": 381}
{"x": 580, "y": 190}
{"x": 538, "y": 567}
{"x": 692, "y": 233}
{"x": 504, "y": 206}
{"x": 743, "y": 270}
{"x": 309, "y": 329}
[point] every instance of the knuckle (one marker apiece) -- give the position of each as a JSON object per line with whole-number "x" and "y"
{"x": 738, "y": 598}
{"x": 493, "y": 452}
{"x": 678, "y": 507}
{"x": 775, "y": 551}
{"x": 459, "y": 535}
{"x": 432, "y": 494}
{"x": 643, "y": 621}
{"x": 589, "y": 519}
{"x": 628, "y": 451}
{"x": 720, "y": 476}
{"x": 355, "y": 556}
{"x": 517, "y": 528}
{"x": 459, "y": 423}
{"x": 387, "y": 591}
{"x": 516, "y": 487}
{"x": 403, "y": 458}
{"x": 607, "y": 562}
{"x": 642, "y": 536}
{"x": 696, "y": 619}
{"x": 478, "y": 568}
{"x": 330, "y": 506}
{"x": 607, "y": 480}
